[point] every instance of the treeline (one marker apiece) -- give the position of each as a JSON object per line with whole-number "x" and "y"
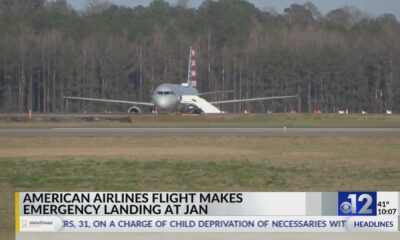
{"x": 344, "y": 59}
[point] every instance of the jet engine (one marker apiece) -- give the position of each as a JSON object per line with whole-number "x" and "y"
{"x": 134, "y": 110}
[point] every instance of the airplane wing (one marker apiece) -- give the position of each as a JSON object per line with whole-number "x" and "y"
{"x": 252, "y": 99}
{"x": 216, "y": 92}
{"x": 110, "y": 101}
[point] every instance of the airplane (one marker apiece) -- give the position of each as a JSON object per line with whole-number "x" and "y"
{"x": 169, "y": 97}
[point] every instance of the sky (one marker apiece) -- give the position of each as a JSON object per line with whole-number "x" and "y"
{"x": 372, "y": 7}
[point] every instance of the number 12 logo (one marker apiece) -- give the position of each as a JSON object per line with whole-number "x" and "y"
{"x": 357, "y": 204}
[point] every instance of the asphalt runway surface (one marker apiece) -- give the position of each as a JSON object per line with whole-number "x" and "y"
{"x": 198, "y": 131}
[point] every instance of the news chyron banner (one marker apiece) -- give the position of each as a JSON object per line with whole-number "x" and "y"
{"x": 206, "y": 212}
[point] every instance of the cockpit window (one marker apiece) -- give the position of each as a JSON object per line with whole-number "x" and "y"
{"x": 165, "y": 93}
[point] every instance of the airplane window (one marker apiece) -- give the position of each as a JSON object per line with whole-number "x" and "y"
{"x": 165, "y": 93}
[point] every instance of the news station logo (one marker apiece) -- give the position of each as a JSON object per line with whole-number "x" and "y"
{"x": 357, "y": 204}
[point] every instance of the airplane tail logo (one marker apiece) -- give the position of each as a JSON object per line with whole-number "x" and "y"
{"x": 192, "y": 71}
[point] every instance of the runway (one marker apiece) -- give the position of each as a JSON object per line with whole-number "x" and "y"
{"x": 197, "y": 131}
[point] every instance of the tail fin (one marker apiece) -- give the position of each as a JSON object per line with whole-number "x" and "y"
{"x": 192, "y": 71}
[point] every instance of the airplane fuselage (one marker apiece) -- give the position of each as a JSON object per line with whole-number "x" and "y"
{"x": 166, "y": 97}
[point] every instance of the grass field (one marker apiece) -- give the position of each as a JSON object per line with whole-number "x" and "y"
{"x": 228, "y": 120}
{"x": 198, "y": 163}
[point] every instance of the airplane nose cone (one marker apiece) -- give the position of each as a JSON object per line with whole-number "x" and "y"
{"x": 165, "y": 102}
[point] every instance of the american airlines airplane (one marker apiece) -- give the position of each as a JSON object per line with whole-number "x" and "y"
{"x": 185, "y": 97}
